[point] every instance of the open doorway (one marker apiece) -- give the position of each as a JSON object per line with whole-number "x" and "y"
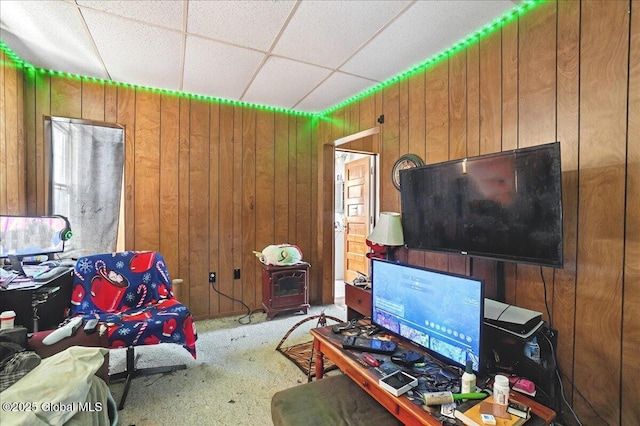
{"x": 354, "y": 213}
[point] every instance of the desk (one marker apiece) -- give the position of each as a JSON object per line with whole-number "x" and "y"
{"x": 50, "y": 305}
{"x": 326, "y": 343}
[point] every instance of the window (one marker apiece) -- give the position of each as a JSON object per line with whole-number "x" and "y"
{"x": 86, "y": 181}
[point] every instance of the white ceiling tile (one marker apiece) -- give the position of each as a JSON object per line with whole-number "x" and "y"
{"x": 253, "y": 24}
{"x": 141, "y": 42}
{"x": 335, "y": 89}
{"x": 328, "y": 32}
{"x": 32, "y": 30}
{"x": 426, "y": 29}
{"x": 217, "y": 69}
{"x": 165, "y": 13}
{"x": 132, "y": 51}
{"x": 282, "y": 82}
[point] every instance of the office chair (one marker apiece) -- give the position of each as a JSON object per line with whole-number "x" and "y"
{"x": 130, "y": 293}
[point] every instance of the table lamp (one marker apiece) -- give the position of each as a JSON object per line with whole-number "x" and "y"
{"x": 386, "y": 235}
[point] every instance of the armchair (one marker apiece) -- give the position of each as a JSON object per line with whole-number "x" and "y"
{"x": 130, "y": 294}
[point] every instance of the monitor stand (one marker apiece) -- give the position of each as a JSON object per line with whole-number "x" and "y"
{"x": 16, "y": 264}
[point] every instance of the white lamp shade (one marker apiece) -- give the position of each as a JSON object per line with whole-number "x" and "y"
{"x": 388, "y": 230}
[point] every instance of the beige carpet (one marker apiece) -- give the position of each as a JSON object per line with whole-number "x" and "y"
{"x": 231, "y": 382}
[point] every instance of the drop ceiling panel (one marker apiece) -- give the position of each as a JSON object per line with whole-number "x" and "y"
{"x": 282, "y": 82}
{"x": 426, "y": 29}
{"x": 253, "y": 24}
{"x": 132, "y": 52}
{"x": 326, "y": 33}
{"x": 271, "y": 52}
{"x": 217, "y": 69}
{"x": 335, "y": 89}
{"x": 164, "y": 13}
{"x": 32, "y": 29}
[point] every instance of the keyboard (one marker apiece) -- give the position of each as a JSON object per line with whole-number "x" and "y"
{"x": 33, "y": 270}
{"x": 52, "y": 273}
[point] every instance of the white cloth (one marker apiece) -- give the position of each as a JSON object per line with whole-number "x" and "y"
{"x": 55, "y": 391}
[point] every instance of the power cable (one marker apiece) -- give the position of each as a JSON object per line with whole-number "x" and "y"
{"x": 564, "y": 399}
{"x": 249, "y": 313}
{"x": 546, "y": 304}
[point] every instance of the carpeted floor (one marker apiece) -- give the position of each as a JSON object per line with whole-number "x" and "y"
{"x": 231, "y": 382}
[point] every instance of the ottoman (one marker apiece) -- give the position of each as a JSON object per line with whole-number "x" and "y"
{"x": 80, "y": 338}
{"x": 332, "y": 401}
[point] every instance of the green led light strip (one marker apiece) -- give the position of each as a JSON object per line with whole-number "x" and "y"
{"x": 475, "y": 37}
{"x": 27, "y": 67}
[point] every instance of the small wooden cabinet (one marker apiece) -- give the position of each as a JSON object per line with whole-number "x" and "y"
{"x": 285, "y": 288}
{"x": 358, "y": 301}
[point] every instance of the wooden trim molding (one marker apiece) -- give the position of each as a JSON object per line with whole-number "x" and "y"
{"x": 355, "y": 136}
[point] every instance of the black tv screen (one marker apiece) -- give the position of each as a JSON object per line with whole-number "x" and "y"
{"x": 505, "y": 206}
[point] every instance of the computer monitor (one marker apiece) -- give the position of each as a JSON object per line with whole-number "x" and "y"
{"x": 438, "y": 311}
{"x": 23, "y": 236}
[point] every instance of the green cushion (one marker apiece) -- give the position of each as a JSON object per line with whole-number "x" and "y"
{"x": 332, "y": 401}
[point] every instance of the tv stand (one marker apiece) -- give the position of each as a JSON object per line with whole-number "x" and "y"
{"x": 501, "y": 286}
{"x": 328, "y": 344}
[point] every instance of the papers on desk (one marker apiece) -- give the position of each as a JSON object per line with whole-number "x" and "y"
{"x": 6, "y": 277}
{"x": 10, "y": 280}
{"x": 6, "y": 274}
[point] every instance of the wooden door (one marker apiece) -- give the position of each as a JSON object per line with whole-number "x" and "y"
{"x": 357, "y": 217}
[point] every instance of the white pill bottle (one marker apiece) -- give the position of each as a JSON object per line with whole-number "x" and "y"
{"x": 501, "y": 390}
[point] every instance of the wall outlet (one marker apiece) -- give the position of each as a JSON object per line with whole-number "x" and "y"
{"x": 212, "y": 277}
{"x": 236, "y": 274}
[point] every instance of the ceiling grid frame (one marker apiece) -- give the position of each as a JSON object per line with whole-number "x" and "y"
{"x": 307, "y": 90}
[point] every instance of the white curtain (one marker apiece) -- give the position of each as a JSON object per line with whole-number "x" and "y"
{"x": 86, "y": 184}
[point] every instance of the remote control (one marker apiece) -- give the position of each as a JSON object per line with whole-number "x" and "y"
{"x": 69, "y": 329}
{"x": 369, "y": 345}
{"x": 90, "y": 326}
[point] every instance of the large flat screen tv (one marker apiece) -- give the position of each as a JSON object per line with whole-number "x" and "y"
{"x": 439, "y": 311}
{"x": 504, "y": 206}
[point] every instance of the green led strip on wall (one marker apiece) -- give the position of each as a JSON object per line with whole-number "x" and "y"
{"x": 483, "y": 32}
{"x": 28, "y": 68}
{"x": 435, "y": 59}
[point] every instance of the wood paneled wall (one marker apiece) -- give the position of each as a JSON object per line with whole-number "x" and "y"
{"x": 207, "y": 183}
{"x": 13, "y": 155}
{"x": 567, "y": 71}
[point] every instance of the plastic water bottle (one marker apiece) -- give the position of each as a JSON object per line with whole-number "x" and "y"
{"x": 532, "y": 350}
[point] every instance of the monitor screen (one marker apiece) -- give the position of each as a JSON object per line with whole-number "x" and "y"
{"x": 438, "y": 311}
{"x": 504, "y": 206}
{"x": 23, "y": 236}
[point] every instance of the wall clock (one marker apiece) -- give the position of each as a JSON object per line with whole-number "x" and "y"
{"x": 406, "y": 161}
